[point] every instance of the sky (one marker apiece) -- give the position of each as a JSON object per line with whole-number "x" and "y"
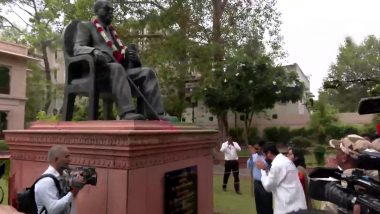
{"x": 314, "y": 30}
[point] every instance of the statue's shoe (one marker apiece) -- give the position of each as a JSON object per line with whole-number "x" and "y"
{"x": 132, "y": 116}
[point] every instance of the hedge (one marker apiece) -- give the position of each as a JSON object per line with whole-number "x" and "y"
{"x": 300, "y": 142}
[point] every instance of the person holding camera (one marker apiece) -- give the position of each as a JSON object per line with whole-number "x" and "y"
{"x": 347, "y": 151}
{"x": 47, "y": 197}
{"x": 231, "y": 163}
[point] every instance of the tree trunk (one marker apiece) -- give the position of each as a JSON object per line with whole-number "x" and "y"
{"x": 218, "y": 8}
{"x": 223, "y": 126}
{"x": 246, "y": 129}
{"x": 247, "y": 126}
{"x": 47, "y": 76}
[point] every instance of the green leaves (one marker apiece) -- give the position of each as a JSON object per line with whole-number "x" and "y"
{"x": 354, "y": 75}
{"x": 252, "y": 85}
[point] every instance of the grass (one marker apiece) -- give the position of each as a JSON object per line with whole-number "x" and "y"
{"x": 229, "y": 202}
{"x": 243, "y": 153}
{"x": 4, "y": 181}
{"x": 3, "y": 146}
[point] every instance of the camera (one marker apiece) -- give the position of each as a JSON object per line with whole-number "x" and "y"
{"x": 69, "y": 177}
{"x": 89, "y": 174}
{"x": 347, "y": 189}
{"x": 327, "y": 184}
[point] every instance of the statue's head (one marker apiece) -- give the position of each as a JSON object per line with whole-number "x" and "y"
{"x": 104, "y": 11}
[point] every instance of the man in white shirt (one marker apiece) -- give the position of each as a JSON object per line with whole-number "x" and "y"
{"x": 46, "y": 193}
{"x": 282, "y": 180}
{"x": 231, "y": 163}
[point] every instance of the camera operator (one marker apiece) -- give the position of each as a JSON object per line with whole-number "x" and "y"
{"x": 47, "y": 197}
{"x": 347, "y": 151}
{"x": 231, "y": 163}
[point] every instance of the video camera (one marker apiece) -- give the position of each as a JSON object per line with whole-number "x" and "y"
{"x": 327, "y": 184}
{"x": 69, "y": 177}
{"x": 89, "y": 174}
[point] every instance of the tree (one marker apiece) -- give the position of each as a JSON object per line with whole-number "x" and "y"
{"x": 323, "y": 116}
{"x": 177, "y": 37}
{"x": 35, "y": 86}
{"x": 236, "y": 23}
{"x": 354, "y": 75}
{"x": 252, "y": 85}
{"x": 40, "y": 18}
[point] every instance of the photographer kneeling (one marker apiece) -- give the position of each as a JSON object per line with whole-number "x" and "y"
{"x": 47, "y": 195}
{"x": 348, "y": 149}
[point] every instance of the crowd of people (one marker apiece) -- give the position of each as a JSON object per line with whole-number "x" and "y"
{"x": 280, "y": 179}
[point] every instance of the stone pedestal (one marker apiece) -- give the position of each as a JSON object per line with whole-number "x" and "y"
{"x": 131, "y": 159}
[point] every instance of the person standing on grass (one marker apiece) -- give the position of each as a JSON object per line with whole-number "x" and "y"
{"x": 282, "y": 180}
{"x": 252, "y": 150}
{"x": 263, "y": 199}
{"x": 298, "y": 158}
{"x": 231, "y": 163}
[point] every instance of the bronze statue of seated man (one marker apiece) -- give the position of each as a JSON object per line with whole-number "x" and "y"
{"x": 116, "y": 63}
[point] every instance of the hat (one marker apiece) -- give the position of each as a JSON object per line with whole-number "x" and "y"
{"x": 351, "y": 145}
{"x": 375, "y": 145}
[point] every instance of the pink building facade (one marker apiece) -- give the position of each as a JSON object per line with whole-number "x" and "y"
{"x": 13, "y": 66}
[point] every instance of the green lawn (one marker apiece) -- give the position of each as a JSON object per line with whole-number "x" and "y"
{"x": 229, "y": 202}
{"x": 3, "y": 146}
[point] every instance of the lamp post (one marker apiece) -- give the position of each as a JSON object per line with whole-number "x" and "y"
{"x": 193, "y": 102}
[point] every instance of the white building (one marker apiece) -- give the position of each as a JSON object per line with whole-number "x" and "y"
{"x": 293, "y": 115}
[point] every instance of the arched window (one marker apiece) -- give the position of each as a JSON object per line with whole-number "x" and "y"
{"x": 4, "y": 80}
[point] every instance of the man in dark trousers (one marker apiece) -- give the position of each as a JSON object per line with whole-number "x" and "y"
{"x": 114, "y": 62}
{"x": 231, "y": 163}
{"x": 263, "y": 199}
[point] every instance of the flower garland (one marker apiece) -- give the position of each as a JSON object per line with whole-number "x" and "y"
{"x": 119, "y": 55}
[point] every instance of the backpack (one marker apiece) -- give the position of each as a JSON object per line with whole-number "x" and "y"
{"x": 25, "y": 199}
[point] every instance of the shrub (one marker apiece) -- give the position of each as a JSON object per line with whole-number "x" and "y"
{"x": 3, "y": 145}
{"x": 319, "y": 153}
{"x": 253, "y": 136}
{"x": 301, "y": 132}
{"x": 41, "y": 115}
{"x": 337, "y": 131}
{"x": 369, "y": 131}
{"x": 300, "y": 142}
{"x": 350, "y": 130}
{"x": 284, "y": 134}
{"x": 271, "y": 134}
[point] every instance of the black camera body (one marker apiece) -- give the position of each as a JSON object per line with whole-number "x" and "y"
{"x": 69, "y": 177}
{"x": 326, "y": 185}
{"x": 88, "y": 173}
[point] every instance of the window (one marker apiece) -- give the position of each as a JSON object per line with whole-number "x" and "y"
{"x": 3, "y": 122}
{"x": 211, "y": 118}
{"x": 274, "y": 116}
{"x": 4, "y": 80}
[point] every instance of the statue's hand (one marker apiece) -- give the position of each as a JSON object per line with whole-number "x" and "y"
{"x": 99, "y": 56}
{"x": 133, "y": 57}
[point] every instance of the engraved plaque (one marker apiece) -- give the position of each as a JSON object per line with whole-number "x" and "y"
{"x": 181, "y": 191}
